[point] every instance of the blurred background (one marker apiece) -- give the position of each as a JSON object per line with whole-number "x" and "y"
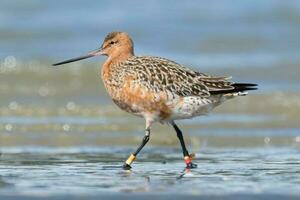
{"x": 66, "y": 109}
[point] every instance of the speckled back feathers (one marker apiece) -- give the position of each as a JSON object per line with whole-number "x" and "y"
{"x": 159, "y": 74}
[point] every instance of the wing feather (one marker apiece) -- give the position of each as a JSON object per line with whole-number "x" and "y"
{"x": 159, "y": 74}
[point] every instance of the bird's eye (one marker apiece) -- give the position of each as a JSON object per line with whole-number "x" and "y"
{"x": 112, "y": 42}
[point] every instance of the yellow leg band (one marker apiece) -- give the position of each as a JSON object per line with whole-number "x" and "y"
{"x": 130, "y": 159}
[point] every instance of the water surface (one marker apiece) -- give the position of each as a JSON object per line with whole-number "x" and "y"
{"x": 158, "y": 170}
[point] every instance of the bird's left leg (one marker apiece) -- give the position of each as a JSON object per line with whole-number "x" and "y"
{"x": 132, "y": 157}
{"x": 186, "y": 155}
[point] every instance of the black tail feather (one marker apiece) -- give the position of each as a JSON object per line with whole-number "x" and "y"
{"x": 238, "y": 87}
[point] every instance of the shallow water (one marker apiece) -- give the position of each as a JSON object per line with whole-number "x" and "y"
{"x": 158, "y": 170}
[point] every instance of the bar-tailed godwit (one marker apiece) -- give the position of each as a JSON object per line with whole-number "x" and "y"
{"x": 158, "y": 89}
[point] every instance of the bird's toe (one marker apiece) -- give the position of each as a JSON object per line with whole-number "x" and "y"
{"x": 191, "y": 165}
{"x": 126, "y": 166}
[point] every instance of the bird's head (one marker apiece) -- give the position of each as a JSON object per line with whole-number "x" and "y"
{"x": 115, "y": 44}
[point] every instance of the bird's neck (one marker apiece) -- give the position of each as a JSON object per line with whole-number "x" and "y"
{"x": 116, "y": 58}
{"x": 112, "y": 64}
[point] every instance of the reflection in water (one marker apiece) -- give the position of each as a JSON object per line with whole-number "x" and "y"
{"x": 185, "y": 173}
{"x": 3, "y": 184}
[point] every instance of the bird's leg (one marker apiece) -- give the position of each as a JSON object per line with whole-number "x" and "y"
{"x": 132, "y": 157}
{"x": 186, "y": 155}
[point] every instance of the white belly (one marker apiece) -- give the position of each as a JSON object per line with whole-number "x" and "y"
{"x": 195, "y": 106}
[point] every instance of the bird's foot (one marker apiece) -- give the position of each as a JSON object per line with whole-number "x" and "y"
{"x": 191, "y": 165}
{"x": 188, "y": 160}
{"x": 126, "y": 166}
{"x": 128, "y": 162}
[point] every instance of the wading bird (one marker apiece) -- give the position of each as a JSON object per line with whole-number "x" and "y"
{"x": 158, "y": 89}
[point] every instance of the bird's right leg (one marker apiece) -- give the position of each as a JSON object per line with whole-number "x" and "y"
{"x": 132, "y": 157}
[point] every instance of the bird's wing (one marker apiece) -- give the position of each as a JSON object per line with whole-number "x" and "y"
{"x": 159, "y": 74}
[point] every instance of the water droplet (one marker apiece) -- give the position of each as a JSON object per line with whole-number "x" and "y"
{"x": 43, "y": 91}
{"x": 71, "y": 105}
{"x": 66, "y": 127}
{"x": 10, "y": 62}
{"x": 8, "y": 127}
{"x": 13, "y": 105}
{"x": 267, "y": 140}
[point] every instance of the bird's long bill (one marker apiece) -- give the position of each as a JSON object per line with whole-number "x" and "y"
{"x": 91, "y": 54}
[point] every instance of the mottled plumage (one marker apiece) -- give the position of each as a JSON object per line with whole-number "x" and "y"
{"x": 168, "y": 84}
{"x": 158, "y": 89}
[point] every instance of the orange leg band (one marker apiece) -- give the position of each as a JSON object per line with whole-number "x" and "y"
{"x": 187, "y": 159}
